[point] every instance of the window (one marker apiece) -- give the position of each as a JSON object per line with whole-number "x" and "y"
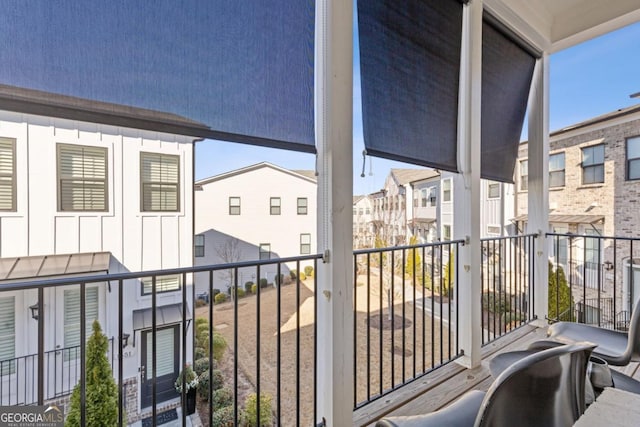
{"x": 556, "y": 170}
{"x": 265, "y": 251}
{"x": 305, "y": 244}
{"x": 423, "y": 198}
{"x": 72, "y": 319}
{"x": 559, "y": 246}
{"x": 446, "y": 232}
{"x": 368, "y": 210}
{"x": 633, "y": 158}
{"x": 199, "y": 245}
{"x": 302, "y": 205}
{"x": 493, "y": 191}
{"x": 446, "y": 190}
{"x": 160, "y": 182}
{"x": 275, "y": 205}
{"x": 524, "y": 175}
{"x": 8, "y": 334}
{"x": 7, "y": 174}
{"x": 493, "y": 229}
{"x": 593, "y": 164}
{"x": 432, "y": 196}
{"x": 234, "y": 205}
{"x": 592, "y": 248}
{"x": 163, "y": 284}
{"x": 82, "y": 178}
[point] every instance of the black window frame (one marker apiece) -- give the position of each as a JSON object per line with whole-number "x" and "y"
{"x": 303, "y": 209}
{"x": 629, "y": 160}
{"x": 592, "y": 166}
{"x": 556, "y": 172}
{"x": 232, "y": 208}
{"x": 198, "y": 248}
{"x": 275, "y": 209}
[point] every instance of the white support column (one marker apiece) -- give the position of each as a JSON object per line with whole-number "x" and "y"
{"x": 334, "y": 140}
{"x": 467, "y": 196}
{"x": 538, "y": 191}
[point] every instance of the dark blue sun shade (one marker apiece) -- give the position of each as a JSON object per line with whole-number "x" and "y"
{"x": 507, "y": 70}
{"x": 242, "y": 67}
{"x": 410, "y": 71}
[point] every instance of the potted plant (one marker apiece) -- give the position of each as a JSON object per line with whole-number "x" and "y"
{"x": 190, "y": 380}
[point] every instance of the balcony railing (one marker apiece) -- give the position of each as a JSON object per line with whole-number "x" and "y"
{"x": 18, "y": 375}
{"x": 594, "y": 279}
{"x": 507, "y": 284}
{"x": 405, "y": 320}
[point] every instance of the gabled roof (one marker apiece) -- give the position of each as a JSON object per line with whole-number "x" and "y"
{"x": 29, "y": 101}
{"x": 405, "y": 176}
{"x": 305, "y": 175}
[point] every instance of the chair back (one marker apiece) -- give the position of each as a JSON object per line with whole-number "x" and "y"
{"x": 543, "y": 389}
{"x": 633, "y": 340}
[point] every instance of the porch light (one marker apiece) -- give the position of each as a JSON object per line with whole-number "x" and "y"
{"x": 35, "y": 311}
{"x": 608, "y": 265}
{"x": 125, "y": 340}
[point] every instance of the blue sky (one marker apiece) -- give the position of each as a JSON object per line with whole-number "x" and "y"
{"x": 587, "y": 80}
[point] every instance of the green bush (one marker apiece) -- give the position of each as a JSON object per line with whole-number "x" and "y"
{"x": 247, "y": 287}
{"x": 254, "y": 289}
{"x": 496, "y": 303}
{"x": 202, "y": 364}
{"x": 202, "y": 340}
{"x": 219, "y": 346}
{"x": 219, "y": 298}
{"x": 101, "y": 390}
{"x": 264, "y": 283}
{"x": 202, "y": 328}
{"x": 560, "y": 303}
{"x": 222, "y": 397}
{"x": 200, "y": 303}
{"x": 240, "y": 293}
{"x": 200, "y": 352}
{"x": 308, "y": 270}
{"x": 279, "y": 279}
{"x": 201, "y": 321}
{"x": 223, "y": 417}
{"x": 215, "y": 292}
{"x": 251, "y": 410}
{"x": 293, "y": 273}
{"x": 203, "y": 382}
{"x": 511, "y": 316}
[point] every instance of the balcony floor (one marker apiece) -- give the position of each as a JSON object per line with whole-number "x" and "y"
{"x": 441, "y": 387}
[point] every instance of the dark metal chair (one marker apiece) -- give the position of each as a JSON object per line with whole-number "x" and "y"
{"x": 545, "y": 388}
{"x": 617, "y": 348}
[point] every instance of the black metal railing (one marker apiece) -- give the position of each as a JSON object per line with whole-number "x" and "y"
{"x": 263, "y": 337}
{"x": 18, "y": 375}
{"x": 406, "y": 315}
{"x": 507, "y": 284}
{"x": 593, "y": 279}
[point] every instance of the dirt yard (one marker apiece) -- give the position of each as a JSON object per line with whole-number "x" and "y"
{"x": 385, "y": 356}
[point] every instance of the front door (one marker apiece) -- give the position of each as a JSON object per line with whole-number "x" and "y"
{"x": 168, "y": 360}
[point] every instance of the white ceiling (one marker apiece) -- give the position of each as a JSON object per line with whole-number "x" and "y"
{"x": 554, "y": 25}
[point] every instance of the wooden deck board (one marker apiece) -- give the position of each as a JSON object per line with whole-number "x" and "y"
{"x": 444, "y": 385}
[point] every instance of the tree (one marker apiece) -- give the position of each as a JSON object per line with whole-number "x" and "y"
{"x": 100, "y": 390}
{"x": 229, "y": 252}
{"x": 390, "y": 267}
{"x": 413, "y": 260}
{"x": 560, "y": 304}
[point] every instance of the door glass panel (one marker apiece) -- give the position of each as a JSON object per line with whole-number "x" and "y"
{"x": 164, "y": 352}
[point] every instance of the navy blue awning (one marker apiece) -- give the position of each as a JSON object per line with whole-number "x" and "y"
{"x": 242, "y": 67}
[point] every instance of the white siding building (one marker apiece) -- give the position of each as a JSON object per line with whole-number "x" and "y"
{"x": 261, "y": 211}
{"x": 105, "y": 193}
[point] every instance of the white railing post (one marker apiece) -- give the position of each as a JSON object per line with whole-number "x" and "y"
{"x": 334, "y": 140}
{"x": 538, "y": 187}
{"x": 467, "y": 190}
